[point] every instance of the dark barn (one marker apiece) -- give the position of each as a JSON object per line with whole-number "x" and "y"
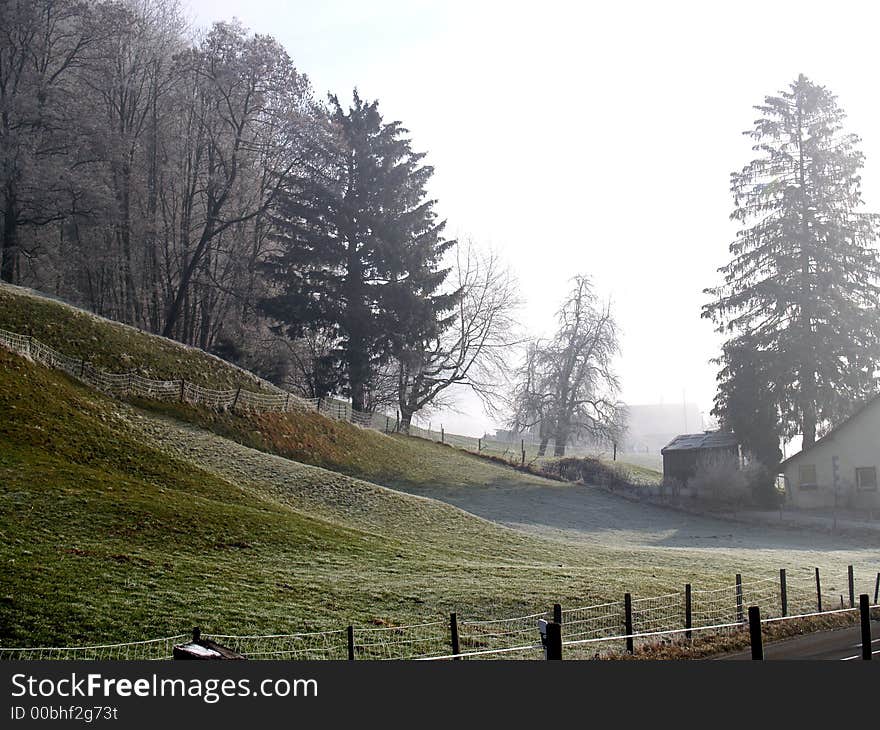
{"x": 685, "y": 453}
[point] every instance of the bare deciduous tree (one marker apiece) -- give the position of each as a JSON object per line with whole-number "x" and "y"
{"x": 473, "y": 351}
{"x": 567, "y": 386}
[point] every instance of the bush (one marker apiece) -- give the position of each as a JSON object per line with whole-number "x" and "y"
{"x": 721, "y": 482}
{"x": 587, "y": 471}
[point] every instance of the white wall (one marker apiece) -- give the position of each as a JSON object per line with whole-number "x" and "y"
{"x": 855, "y": 444}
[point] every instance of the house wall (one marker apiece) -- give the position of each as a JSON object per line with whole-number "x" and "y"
{"x": 855, "y": 444}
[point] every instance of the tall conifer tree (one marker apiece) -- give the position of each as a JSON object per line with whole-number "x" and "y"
{"x": 801, "y": 286}
{"x": 360, "y": 248}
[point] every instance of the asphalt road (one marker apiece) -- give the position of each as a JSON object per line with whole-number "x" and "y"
{"x": 839, "y": 644}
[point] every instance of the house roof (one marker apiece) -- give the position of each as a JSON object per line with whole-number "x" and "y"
{"x": 705, "y": 440}
{"x": 863, "y": 407}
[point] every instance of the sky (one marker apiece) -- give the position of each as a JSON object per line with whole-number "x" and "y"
{"x": 582, "y": 138}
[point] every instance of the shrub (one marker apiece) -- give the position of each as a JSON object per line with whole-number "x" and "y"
{"x": 721, "y": 482}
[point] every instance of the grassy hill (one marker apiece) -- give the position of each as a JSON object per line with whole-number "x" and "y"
{"x": 121, "y": 521}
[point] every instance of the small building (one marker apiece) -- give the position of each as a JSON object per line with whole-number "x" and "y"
{"x": 686, "y": 453}
{"x": 839, "y": 469}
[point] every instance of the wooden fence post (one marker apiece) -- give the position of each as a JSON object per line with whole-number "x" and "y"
{"x": 287, "y": 402}
{"x": 557, "y": 613}
{"x": 82, "y": 368}
{"x": 453, "y": 632}
{"x": 235, "y": 400}
{"x": 480, "y": 448}
{"x": 554, "y": 640}
{"x": 852, "y": 588}
{"x": 351, "y": 643}
{"x": 865, "y": 612}
{"x": 442, "y": 435}
{"x": 783, "y": 592}
{"x": 628, "y": 622}
{"x": 688, "y": 611}
{"x": 755, "y": 637}
{"x": 877, "y": 589}
{"x": 818, "y": 592}
{"x": 739, "y": 598}
{"x": 182, "y": 386}
{"x": 522, "y": 446}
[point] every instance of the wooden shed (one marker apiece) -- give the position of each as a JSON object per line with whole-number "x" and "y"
{"x": 686, "y": 453}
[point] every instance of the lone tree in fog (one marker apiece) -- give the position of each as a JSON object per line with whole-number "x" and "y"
{"x": 359, "y": 250}
{"x": 567, "y": 386}
{"x": 801, "y": 286}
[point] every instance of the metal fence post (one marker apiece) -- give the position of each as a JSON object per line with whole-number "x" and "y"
{"x": 755, "y": 637}
{"x": 783, "y": 592}
{"x": 865, "y": 611}
{"x": 628, "y": 622}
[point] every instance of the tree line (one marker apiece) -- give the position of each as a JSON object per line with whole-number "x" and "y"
{"x": 193, "y": 185}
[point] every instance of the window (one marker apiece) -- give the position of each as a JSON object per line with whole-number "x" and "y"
{"x": 807, "y": 476}
{"x": 866, "y": 478}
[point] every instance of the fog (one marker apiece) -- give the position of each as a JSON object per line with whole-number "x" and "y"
{"x": 575, "y": 138}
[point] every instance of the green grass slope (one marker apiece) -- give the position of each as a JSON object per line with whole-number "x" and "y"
{"x": 116, "y": 524}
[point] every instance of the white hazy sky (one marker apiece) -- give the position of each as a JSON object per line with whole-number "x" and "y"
{"x": 588, "y": 138}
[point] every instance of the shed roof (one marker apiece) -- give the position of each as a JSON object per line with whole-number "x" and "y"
{"x": 705, "y": 440}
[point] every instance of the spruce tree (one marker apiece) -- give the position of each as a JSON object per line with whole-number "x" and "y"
{"x": 360, "y": 248}
{"x": 801, "y": 285}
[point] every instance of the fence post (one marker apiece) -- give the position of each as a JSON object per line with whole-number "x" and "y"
{"x": 877, "y": 589}
{"x": 387, "y": 423}
{"x": 818, "y": 592}
{"x": 865, "y": 611}
{"x": 852, "y": 589}
{"x": 557, "y": 613}
{"x": 480, "y": 448}
{"x": 783, "y": 592}
{"x": 522, "y": 446}
{"x": 397, "y": 424}
{"x": 739, "y": 598}
{"x": 182, "y": 386}
{"x": 442, "y": 435}
{"x": 755, "y": 637}
{"x": 688, "y": 611}
{"x": 628, "y": 621}
{"x": 351, "y": 643}
{"x": 287, "y": 402}
{"x": 82, "y": 368}
{"x": 554, "y": 640}
{"x": 453, "y": 631}
{"x": 235, "y": 400}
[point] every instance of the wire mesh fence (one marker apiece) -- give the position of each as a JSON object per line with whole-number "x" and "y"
{"x": 587, "y": 631}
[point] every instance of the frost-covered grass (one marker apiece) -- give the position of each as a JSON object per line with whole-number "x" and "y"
{"x": 112, "y": 346}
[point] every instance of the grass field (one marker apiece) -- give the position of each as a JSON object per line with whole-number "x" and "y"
{"x": 120, "y": 522}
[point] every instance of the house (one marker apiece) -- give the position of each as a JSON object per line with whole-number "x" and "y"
{"x": 686, "y": 453}
{"x": 839, "y": 469}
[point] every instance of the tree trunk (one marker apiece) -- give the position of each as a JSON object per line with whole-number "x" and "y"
{"x": 10, "y": 238}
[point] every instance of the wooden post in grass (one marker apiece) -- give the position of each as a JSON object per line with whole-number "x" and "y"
{"x": 783, "y": 592}
{"x": 818, "y": 592}
{"x": 865, "y": 612}
{"x": 453, "y": 632}
{"x": 480, "y": 448}
{"x": 614, "y": 458}
{"x": 522, "y": 446}
{"x": 852, "y": 587}
{"x": 182, "y": 386}
{"x": 287, "y": 402}
{"x": 628, "y": 621}
{"x": 442, "y": 435}
{"x": 877, "y": 589}
{"x": 235, "y": 400}
{"x": 688, "y": 611}
{"x": 557, "y": 613}
{"x": 351, "y": 643}
{"x": 554, "y": 640}
{"x": 755, "y": 637}
{"x": 82, "y": 368}
{"x": 739, "y": 598}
